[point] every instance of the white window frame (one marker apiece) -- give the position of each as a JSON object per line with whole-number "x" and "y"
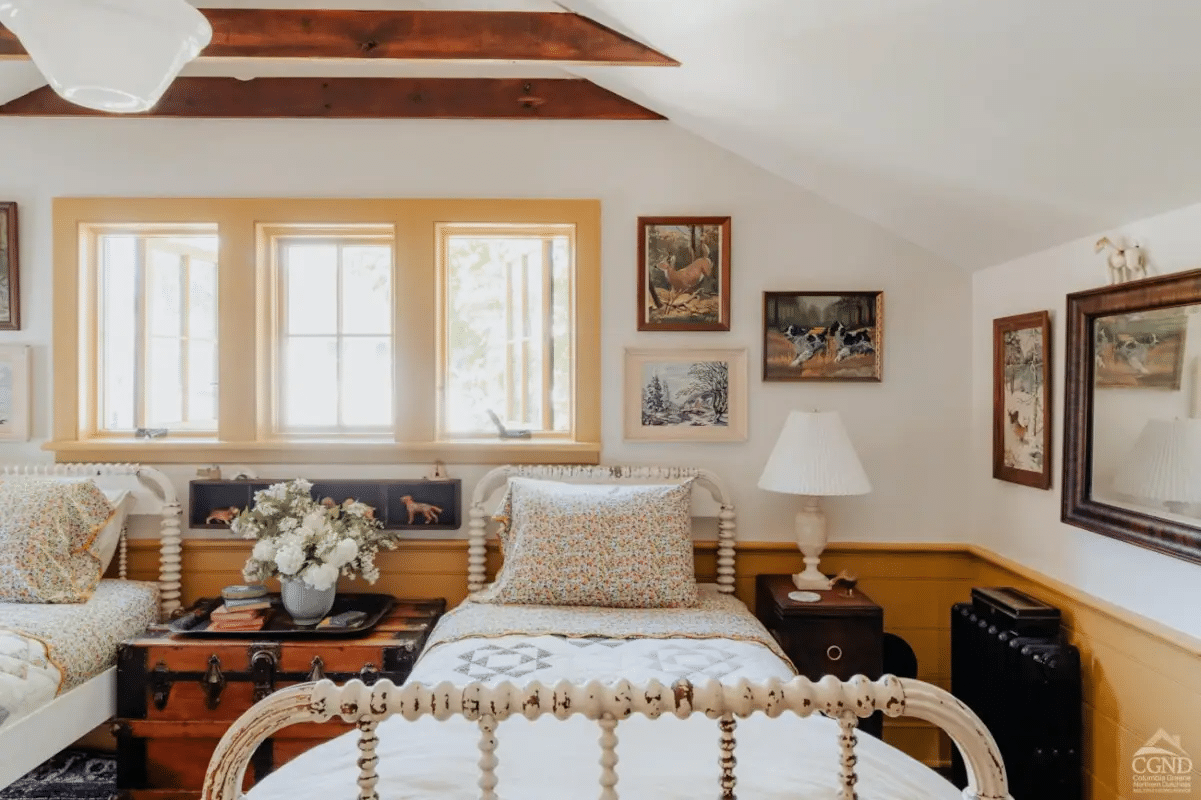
{"x": 446, "y": 231}
{"x": 92, "y": 405}
{"x": 339, "y": 236}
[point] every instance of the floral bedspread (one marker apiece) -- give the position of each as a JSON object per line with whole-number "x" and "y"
{"x": 46, "y": 649}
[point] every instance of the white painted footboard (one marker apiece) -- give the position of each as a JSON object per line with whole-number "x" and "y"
{"x": 846, "y": 701}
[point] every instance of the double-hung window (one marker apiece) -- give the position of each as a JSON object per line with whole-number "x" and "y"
{"x": 154, "y": 352}
{"x": 332, "y": 348}
{"x": 327, "y": 331}
{"x": 507, "y": 327}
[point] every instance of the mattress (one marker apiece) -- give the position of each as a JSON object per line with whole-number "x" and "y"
{"x": 46, "y": 649}
{"x": 551, "y": 759}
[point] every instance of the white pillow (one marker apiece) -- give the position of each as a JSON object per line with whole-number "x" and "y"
{"x": 104, "y": 547}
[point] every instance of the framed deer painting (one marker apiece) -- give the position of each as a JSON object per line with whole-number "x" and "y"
{"x": 683, "y": 273}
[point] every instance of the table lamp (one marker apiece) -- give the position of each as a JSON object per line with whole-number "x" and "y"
{"x": 1164, "y": 466}
{"x": 813, "y": 458}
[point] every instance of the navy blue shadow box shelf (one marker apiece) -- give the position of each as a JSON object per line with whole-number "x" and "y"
{"x": 399, "y": 504}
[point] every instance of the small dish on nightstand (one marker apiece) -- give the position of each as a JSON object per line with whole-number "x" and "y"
{"x": 804, "y": 597}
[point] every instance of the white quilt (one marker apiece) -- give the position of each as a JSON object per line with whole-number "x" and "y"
{"x": 46, "y": 649}
{"x": 550, "y": 759}
{"x": 27, "y": 677}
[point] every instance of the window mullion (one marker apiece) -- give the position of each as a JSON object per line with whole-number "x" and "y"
{"x": 185, "y": 318}
{"x": 141, "y": 331}
{"x": 338, "y": 328}
{"x": 548, "y": 334}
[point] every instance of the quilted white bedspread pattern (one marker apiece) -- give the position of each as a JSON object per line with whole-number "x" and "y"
{"x": 551, "y": 759}
{"x": 27, "y": 677}
{"x": 46, "y": 649}
{"x": 521, "y": 659}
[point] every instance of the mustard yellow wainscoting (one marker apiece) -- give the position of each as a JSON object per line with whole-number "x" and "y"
{"x": 1138, "y": 676}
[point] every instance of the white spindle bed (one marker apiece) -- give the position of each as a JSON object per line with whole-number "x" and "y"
{"x": 31, "y": 739}
{"x": 434, "y": 703}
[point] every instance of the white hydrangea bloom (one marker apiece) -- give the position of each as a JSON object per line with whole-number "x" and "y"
{"x": 344, "y": 553}
{"x": 289, "y": 559}
{"x": 264, "y": 550}
{"x": 321, "y": 576}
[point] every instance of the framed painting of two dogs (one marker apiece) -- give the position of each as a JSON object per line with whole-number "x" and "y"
{"x": 823, "y": 336}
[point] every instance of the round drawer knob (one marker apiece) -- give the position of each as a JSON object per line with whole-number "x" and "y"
{"x": 833, "y": 652}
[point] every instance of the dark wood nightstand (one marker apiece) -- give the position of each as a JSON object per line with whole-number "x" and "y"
{"x": 840, "y": 635}
{"x": 176, "y": 695}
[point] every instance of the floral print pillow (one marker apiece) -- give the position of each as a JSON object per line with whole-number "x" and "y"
{"x": 47, "y": 530}
{"x": 617, "y": 546}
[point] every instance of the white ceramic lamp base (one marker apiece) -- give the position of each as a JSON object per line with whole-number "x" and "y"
{"x": 811, "y": 539}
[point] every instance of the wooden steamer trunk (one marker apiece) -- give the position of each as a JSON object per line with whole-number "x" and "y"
{"x": 177, "y": 694}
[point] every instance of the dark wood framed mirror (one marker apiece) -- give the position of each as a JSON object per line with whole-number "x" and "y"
{"x": 1132, "y": 413}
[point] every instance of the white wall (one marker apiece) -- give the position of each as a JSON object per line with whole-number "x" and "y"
{"x": 1023, "y": 523}
{"x": 909, "y": 429}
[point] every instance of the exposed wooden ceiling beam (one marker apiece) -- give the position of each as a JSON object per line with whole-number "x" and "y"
{"x": 428, "y": 35}
{"x": 365, "y": 98}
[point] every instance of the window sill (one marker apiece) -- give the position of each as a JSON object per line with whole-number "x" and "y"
{"x": 188, "y": 451}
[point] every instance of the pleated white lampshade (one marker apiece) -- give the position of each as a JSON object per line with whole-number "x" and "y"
{"x": 109, "y": 55}
{"x": 1165, "y": 463}
{"x": 814, "y": 456}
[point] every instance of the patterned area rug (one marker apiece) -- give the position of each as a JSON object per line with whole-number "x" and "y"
{"x": 70, "y": 775}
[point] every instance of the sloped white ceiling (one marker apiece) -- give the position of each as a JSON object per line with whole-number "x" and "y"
{"x": 979, "y": 130}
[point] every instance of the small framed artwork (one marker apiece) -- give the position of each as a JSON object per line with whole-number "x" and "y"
{"x": 10, "y": 295}
{"x": 1144, "y": 350}
{"x": 686, "y": 395}
{"x": 14, "y": 393}
{"x": 1021, "y": 413}
{"x": 683, "y": 273}
{"x": 823, "y": 336}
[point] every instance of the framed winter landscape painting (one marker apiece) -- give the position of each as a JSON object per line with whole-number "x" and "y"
{"x": 1022, "y": 399}
{"x": 14, "y": 393}
{"x": 10, "y": 295}
{"x": 684, "y": 273}
{"x": 823, "y": 336}
{"x": 685, "y": 395}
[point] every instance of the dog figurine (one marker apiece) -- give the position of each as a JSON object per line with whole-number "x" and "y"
{"x": 222, "y": 515}
{"x": 429, "y": 513}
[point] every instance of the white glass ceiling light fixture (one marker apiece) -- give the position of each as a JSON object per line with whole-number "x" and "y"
{"x": 814, "y": 458}
{"x": 108, "y": 55}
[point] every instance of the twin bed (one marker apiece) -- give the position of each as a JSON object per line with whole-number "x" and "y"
{"x": 591, "y": 666}
{"x": 57, "y": 673}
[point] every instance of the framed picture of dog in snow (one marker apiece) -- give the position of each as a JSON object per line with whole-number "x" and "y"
{"x": 823, "y": 336}
{"x": 1021, "y": 415}
{"x": 683, "y": 273}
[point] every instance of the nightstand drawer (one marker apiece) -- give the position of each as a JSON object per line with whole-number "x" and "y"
{"x": 834, "y": 646}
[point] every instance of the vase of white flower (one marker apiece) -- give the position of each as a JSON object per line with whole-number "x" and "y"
{"x": 306, "y": 604}
{"x": 308, "y": 544}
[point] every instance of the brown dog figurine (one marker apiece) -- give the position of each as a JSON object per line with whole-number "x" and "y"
{"x": 223, "y": 515}
{"x": 429, "y": 513}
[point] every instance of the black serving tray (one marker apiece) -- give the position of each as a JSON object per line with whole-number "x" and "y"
{"x": 195, "y": 620}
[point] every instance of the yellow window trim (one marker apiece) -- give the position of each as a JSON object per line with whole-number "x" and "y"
{"x": 243, "y": 291}
{"x": 334, "y": 452}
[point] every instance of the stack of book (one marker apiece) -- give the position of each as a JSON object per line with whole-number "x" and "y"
{"x": 245, "y": 608}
